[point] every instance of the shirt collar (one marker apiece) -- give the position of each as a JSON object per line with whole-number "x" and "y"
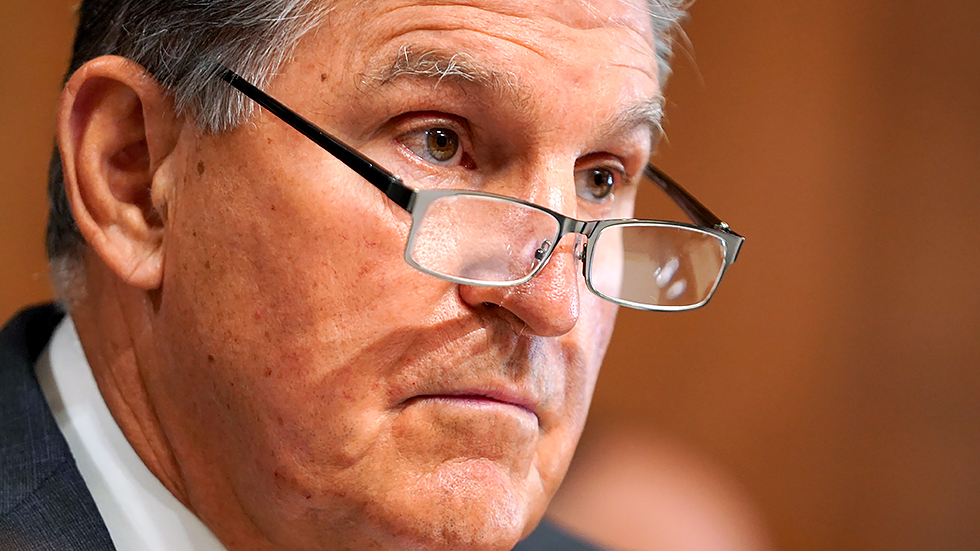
{"x": 138, "y": 510}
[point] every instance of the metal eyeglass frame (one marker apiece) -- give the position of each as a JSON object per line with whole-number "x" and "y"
{"x": 417, "y": 201}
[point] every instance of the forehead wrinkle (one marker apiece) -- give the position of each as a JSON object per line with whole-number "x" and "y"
{"x": 635, "y": 14}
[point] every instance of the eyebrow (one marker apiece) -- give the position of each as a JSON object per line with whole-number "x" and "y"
{"x": 438, "y": 66}
{"x": 648, "y": 112}
{"x": 441, "y": 66}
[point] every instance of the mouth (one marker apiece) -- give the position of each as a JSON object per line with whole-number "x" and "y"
{"x": 480, "y": 399}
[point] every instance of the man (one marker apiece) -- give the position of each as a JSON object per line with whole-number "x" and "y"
{"x": 368, "y": 331}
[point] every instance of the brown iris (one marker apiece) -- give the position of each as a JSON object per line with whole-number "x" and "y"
{"x": 601, "y": 182}
{"x": 441, "y": 143}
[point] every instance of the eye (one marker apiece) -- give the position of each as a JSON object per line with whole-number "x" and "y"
{"x": 597, "y": 183}
{"x": 437, "y": 145}
{"x": 441, "y": 144}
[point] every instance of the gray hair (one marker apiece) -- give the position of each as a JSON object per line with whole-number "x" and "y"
{"x": 179, "y": 42}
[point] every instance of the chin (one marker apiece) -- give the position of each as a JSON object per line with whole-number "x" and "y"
{"x": 462, "y": 505}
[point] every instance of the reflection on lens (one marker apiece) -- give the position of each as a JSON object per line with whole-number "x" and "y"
{"x": 676, "y": 290}
{"x": 666, "y": 272}
{"x": 650, "y": 264}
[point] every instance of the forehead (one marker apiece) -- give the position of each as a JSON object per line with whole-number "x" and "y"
{"x": 582, "y": 14}
{"x": 551, "y": 29}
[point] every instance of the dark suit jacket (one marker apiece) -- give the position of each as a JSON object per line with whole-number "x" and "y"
{"x": 44, "y": 504}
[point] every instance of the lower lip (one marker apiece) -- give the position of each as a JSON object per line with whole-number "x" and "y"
{"x": 474, "y": 402}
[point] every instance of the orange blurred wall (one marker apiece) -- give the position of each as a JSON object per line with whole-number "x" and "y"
{"x": 35, "y": 41}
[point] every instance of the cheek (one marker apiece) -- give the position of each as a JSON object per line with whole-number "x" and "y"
{"x": 584, "y": 349}
{"x": 275, "y": 287}
{"x": 578, "y": 355}
{"x": 277, "y": 255}
{"x": 594, "y": 328}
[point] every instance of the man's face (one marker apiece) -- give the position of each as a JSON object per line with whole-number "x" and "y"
{"x": 317, "y": 384}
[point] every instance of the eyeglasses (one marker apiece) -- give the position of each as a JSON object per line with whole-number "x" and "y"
{"x": 477, "y": 238}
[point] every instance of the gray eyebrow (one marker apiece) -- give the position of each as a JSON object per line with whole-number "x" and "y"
{"x": 439, "y": 66}
{"x": 649, "y": 113}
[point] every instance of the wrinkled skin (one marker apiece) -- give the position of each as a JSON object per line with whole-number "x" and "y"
{"x": 291, "y": 378}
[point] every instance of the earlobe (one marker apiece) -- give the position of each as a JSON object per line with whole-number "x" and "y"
{"x": 116, "y": 129}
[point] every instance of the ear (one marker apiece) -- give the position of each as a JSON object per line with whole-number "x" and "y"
{"x": 116, "y": 128}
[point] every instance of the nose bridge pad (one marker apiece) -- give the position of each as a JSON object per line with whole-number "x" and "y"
{"x": 579, "y": 248}
{"x": 542, "y": 254}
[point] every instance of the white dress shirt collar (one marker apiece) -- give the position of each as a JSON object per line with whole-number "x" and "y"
{"x": 139, "y": 511}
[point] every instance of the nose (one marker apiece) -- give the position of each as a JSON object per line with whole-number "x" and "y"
{"x": 547, "y": 304}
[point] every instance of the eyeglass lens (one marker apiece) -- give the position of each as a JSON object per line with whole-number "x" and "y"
{"x": 482, "y": 239}
{"x": 649, "y": 264}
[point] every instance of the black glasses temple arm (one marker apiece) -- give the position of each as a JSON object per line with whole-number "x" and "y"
{"x": 687, "y": 202}
{"x": 387, "y": 182}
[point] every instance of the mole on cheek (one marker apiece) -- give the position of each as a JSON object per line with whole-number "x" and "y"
{"x": 200, "y": 168}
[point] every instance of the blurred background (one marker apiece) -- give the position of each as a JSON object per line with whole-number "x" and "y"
{"x": 829, "y": 396}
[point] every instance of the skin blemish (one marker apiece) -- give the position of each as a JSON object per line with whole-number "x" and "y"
{"x": 200, "y": 168}
{"x": 268, "y": 372}
{"x": 323, "y": 77}
{"x": 207, "y": 264}
{"x": 210, "y": 359}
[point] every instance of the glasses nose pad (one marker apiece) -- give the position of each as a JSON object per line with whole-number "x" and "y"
{"x": 579, "y": 249}
{"x": 542, "y": 250}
